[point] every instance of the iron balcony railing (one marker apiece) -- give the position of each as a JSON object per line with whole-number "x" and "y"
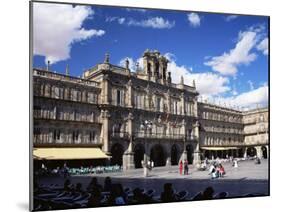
{"x": 141, "y": 134}
{"x": 119, "y": 135}
{"x": 57, "y": 76}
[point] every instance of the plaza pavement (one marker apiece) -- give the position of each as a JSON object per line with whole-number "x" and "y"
{"x": 245, "y": 170}
{"x": 247, "y": 178}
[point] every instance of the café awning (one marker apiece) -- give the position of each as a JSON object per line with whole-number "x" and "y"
{"x": 68, "y": 153}
{"x": 218, "y": 148}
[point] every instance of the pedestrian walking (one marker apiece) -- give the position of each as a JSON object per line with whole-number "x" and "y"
{"x": 181, "y": 167}
{"x": 185, "y": 167}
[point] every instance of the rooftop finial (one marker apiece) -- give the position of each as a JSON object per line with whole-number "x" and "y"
{"x": 127, "y": 63}
{"x": 182, "y": 80}
{"x": 106, "y": 59}
{"x": 67, "y": 70}
{"x": 48, "y": 65}
{"x": 169, "y": 79}
{"x": 193, "y": 83}
{"x": 137, "y": 66}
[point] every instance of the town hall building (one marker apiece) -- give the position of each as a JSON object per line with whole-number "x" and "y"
{"x": 123, "y": 117}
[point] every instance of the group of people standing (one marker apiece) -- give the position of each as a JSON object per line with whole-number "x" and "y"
{"x": 216, "y": 170}
{"x": 183, "y": 167}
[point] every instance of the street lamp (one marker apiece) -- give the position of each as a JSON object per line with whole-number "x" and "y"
{"x": 146, "y": 125}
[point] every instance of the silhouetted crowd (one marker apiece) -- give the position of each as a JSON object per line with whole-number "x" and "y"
{"x": 47, "y": 197}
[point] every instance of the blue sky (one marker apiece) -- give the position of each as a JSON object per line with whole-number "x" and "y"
{"x": 227, "y": 55}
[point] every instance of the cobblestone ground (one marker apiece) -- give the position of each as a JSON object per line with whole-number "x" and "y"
{"x": 247, "y": 178}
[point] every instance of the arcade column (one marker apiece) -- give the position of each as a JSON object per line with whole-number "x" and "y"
{"x": 128, "y": 157}
{"x": 196, "y": 153}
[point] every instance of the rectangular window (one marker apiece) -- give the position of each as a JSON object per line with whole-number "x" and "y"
{"x": 175, "y": 107}
{"x": 92, "y": 135}
{"x": 75, "y": 135}
{"x": 57, "y": 93}
{"x": 74, "y": 95}
{"x": 158, "y": 103}
{"x": 136, "y": 101}
{"x": 90, "y": 97}
{"x": 118, "y": 97}
{"x": 56, "y": 135}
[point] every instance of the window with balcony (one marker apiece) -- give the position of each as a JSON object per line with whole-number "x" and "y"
{"x": 56, "y": 92}
{"x": 174, "y": 107}
{"x": 92, "y": 136}
{"x": 56, "y": 135}
{"x": 119, "y": 97}
{"x": 37, "y": 133}
{"x": 90, "y": 97}
{"x": 75, "y": 135}
{"x": 74, "y": 95}
{"x": 158, "y": 103}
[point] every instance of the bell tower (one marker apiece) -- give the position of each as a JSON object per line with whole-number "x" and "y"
{"x": 155, "y": 66}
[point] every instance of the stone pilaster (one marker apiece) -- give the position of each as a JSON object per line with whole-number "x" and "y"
{"x": 105, "y": 90}
{"x": 168, "y": 96}
{"x": 196, "y": 153}
{"x": 128, "y": 157}
{"x": 195, "y": 107}
{"x": 105, "y": 132}
{"x": 182, "y": 104}
{"x": 259, "y": 151}
{"x": 168, "y": 160}
{"x": 130, "y": 94}
{"x": 245, "y": 152}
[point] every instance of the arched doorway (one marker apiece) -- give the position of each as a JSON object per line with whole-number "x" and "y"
{"x": 251, "y": 151}
{"x": 117, "y": 151}
{"x": 219, "y": 154}
{"x": 157, "y": 155}
{"x": 207, "y": 154}
{"x": 264, "y": 152}
{"x": 229, "y": 153}
{"x": 189, "y": 150}
{"x": 138, "y": 155}
{"x": 240, "y": 153}
{"x": 174, "y": 155}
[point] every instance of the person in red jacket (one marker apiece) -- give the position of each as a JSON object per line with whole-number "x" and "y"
{"x": 181, "y": 167}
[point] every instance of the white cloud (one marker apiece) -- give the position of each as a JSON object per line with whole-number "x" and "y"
{"x": 247, "y": 100}
{"x": 234, "y": 92}
{"x": 57, "y": 27}
{"x": 194, "y": 19}
{"x": 121, "y": 20}
{"x": 227, "y": 63}
{"x": 111, "y": 19}
{"x": 155, "y": 23}
{"x": 263, "y": 46}
{"x": 207, "y": 83}
{"x": 136, "y": 10}
{"x": 231, "y": 17}
{"x": 251, "y": 84}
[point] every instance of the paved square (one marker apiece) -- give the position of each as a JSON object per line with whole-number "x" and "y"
{"x": 248, "y": 178}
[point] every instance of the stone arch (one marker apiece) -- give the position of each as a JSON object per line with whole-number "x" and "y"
{"x": 175, "y": 154}
{"x": 138, "y": 155}
{"x": 240, "y": 153}
{"x": 157, "y": 155}
{"x": 117, "y": 151}
{"x": 207, "y": 154}
{"x": 251, "y": 151}
{"x": 189, "y": 150}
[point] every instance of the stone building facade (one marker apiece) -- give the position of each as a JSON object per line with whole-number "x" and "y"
{"x": 132, "y": 114}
